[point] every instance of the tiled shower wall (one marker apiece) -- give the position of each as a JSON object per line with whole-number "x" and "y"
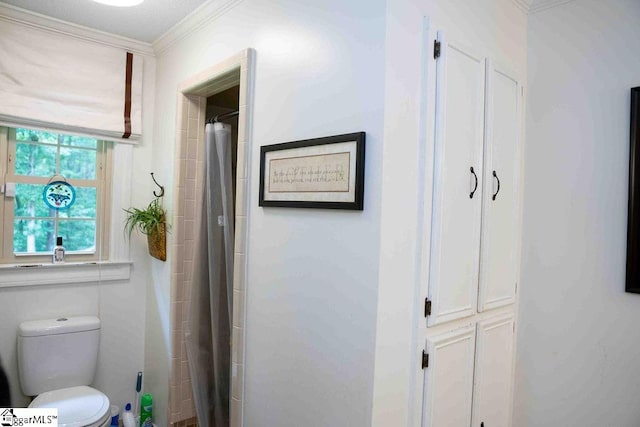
{"x": 190, "y": 171}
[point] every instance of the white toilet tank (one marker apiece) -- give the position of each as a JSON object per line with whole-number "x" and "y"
{"x": 57, "y": 353}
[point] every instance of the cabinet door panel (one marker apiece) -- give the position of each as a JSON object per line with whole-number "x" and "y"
{"x": 455, "y": 221}
{"x": 498, "y": 254}
{"x": 493, "y": 372}
{"x": 448, "y": 381}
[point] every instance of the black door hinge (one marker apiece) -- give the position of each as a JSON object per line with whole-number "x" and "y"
{"x": 436, "y": 49}
{"x": 427, "y": 307}
{"x": 425, "y": 359}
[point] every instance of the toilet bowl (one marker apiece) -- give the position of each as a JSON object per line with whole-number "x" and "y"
{"x": 79, "y": 406}
{"x": 57, "y": 360}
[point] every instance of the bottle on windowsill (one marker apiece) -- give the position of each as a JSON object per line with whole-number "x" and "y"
{"x": 58, "y": 252}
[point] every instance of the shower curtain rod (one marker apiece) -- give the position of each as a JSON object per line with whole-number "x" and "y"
{"x": 222, "y": 116}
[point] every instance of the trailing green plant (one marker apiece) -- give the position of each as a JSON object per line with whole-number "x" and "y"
{"x": 146, "y": 221}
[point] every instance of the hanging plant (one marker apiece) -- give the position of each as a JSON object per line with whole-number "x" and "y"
{"x": 151, "y": 222}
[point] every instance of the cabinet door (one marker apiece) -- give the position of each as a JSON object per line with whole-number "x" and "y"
{"x": 448, "y": 380}
{"x": 498, "y": 264}
{"x": 457, "y": 191}
{"x": 493, "y": 374}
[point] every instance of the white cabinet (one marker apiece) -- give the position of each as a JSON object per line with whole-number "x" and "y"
{"x": 468, "y": 377}
{"x": 457, "y": 193}
{"x": 448, "y": 380}
{"x": 493, "y": 372}
{"x": 473, "y": 241}
{"x": 500, "y": 196}
{"x": 472, "y": 267}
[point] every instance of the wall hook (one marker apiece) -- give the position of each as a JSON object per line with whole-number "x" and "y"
{"x": 161, "y": 187}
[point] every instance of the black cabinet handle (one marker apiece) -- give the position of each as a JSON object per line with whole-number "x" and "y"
{"x": 495, "y": 175}
{"x": 476, "y": 186}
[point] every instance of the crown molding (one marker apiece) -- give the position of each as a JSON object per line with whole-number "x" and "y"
{"x": 541, "y": 5}
{"x": 523, "y": 5}
{"x": 16, "y": 15}
{"x": 206, "y": 13}
{"x": 535, "y": 6}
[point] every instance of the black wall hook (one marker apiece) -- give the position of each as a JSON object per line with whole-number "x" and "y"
{"x": 161, "y": 187}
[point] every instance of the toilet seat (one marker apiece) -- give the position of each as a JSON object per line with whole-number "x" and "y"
{"x": 80, "y": 406}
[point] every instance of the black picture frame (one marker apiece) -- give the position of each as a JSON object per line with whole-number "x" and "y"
{"x": 291, "y": 164}
{"x": 633, "y": 221}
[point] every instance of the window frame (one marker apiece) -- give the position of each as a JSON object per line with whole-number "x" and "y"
{"x": 102, "y": 181}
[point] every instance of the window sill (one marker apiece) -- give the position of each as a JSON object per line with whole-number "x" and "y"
{"x": 16, "y": 275}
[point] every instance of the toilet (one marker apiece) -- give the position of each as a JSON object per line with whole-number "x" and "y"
{"x": 57, "y": 361}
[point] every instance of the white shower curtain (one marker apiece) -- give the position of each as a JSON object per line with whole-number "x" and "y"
{"x": 208, "y": 329}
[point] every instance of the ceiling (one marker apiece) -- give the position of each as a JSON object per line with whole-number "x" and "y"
{"x": 151, "y": 19}
{"x": 145, "y": 22}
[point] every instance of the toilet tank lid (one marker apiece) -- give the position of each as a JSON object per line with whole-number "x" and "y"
{"x": 61, "y": 325}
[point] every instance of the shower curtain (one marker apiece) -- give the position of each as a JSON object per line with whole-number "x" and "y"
{"x": 208, "y": 329}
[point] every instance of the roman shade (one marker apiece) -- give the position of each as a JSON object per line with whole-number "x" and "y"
{"x": 52, "y": 81}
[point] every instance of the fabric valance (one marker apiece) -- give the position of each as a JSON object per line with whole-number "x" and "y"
{"x": 52, "y": 81}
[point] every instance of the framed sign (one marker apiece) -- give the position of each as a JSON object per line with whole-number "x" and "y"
{"x": 633, "y": 219}
{"x": 314, "y": 173}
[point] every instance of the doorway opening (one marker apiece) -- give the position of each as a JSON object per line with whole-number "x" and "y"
{"x": 223, "y": 88}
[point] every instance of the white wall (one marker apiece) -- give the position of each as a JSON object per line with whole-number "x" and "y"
{"x": 119, "y": 305}
{"x": 494, "y": 28}
{"x": 157, "y": 344}
{"x": 312, "y": 278}
{"x": 578, "y": 332}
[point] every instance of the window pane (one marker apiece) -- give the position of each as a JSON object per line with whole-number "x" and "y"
{"x": 42, "y": 155}
{"x": 78, "y": 235}
{"x": 36, "y": 135}
{"x": 29, "y": 202}
{"x": 33, "y": 235}
{"x": 77, "y": 163}
{"x": 84, "y": 206}
{"x": 35, "y": 159}
{"x": 79, "y": 141}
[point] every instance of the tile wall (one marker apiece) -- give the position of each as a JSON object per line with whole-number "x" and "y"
{"x": 191, "y": 422}
{"x": 190, "y": 171}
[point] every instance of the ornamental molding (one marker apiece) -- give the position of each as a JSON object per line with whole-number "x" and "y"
{"x": 26, "y": 18}
{"x": 541, "y": 5}
{"x": 203, "y": 15}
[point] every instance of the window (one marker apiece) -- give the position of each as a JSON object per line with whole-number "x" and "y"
{"x": 29, "y": 160}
